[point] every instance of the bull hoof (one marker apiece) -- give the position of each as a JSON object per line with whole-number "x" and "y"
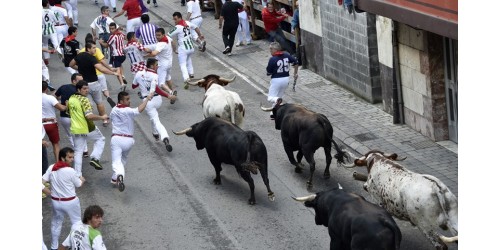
{"x": 309, "y": 185}
{"x": 251, "y": 202}
{"x": 326, "y": 175}
{"x": 270, "y": 195}
{"x": 298, "y": 170}
{"x": 216, "y": 182}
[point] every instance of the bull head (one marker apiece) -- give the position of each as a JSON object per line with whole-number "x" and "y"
{"x": 208, "y": 80}
{"x": 362, "y": 162}
{"x": 268, "y": 109}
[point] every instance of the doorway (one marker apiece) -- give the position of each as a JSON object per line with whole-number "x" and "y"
{"x": 451, "y": 82}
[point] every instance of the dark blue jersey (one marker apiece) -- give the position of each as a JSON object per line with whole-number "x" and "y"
{"x": 64, "y": 92}
{"x": 279, "y": 65}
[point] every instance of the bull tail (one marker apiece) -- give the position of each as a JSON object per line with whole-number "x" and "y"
{"x": 340, "y": 155}
{"x": 449, "y": 206}
{"x": 249, "y": 165}
{"x": 232, "y": 107}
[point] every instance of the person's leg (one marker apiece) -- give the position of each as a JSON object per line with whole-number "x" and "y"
{"x": 45, "y": 160}
{"x": 232, "y": 35}
{"x": 150, "y": 110}
{"x": 182, "y": 56}
{"x": 80, "y": 142}
{"x": 66, "y": 124}
{"x": 99, "y": 142}
{"x": 189, "y": 63}
{"x": 285, "y": 44}
{"x": 116, "y": 156}
{"x": 73, "y": 210}
{"x": 45, "y": 45}
{"x": 153, "y": 114}
{"x": 225, "y": 36}
{"x": 127, "y": 146}
{"x": 74, "y": 5}
{"x": 246, "y": 30}
{"x": 56, "y": 223}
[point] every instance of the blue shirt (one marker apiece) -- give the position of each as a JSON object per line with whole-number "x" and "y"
{"x": 295, "y": 19}
{"x": 279, "y": 65}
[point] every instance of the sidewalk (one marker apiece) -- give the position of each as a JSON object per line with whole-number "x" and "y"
{"x": 357, "y": 124}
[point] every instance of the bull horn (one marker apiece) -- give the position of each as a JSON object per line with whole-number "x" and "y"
{"x": 305, "y": 198}
{"x": 227, "y": 80}
{"x": 400, "y": 159}
{"x": 340, "y": 187}
{"x": 195, "y": 82}
{"x": 183, "y": 131}
{"x": 448, "y": 239}
{"x": 349, "y": 165}
{"x": 265, "y": 109}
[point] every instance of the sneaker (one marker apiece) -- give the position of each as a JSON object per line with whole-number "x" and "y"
{"x": 229, "y": 54}
{"x": 75, "y": 24}
{"x": 173, "y": 93}
{"x": 167, "y": 145}
{"x": 114, "y": 9}
{"x": 226, "y": 50}
{"x": 95, "y": 163}
{"x": 86, "y": 154}
{"x": 96, "y": 2}
{"x": 124, "y": 80}
{"x": 248, "y": 43}
{"x": 156, "y": 5}
{"x": 186, "y": 84}
{"x": 113, "y": 181}
{"x": 105, "y": 123}
{"x": 157, "y": 137}
{"x": 119, "y": 181}
{"x": 148, "y": 2}
{"x": 191, "y": 76}
{"x": 110, "y": 101}
{"x": 238, "y": 44}
{"x": 123, "y": 87}
{"x": 51, "y": 88}
{"x": 46, "y": 61}
{"x": 203, "y": 46}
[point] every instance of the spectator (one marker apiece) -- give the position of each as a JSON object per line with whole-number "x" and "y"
{"x": 229, "y": 15}
{"x": 272, "y": 19}
{"x": 296, "y": 29}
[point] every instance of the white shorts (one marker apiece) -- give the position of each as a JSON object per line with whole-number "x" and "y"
{"x": 101, "y": 79}
{"x": 95, "y": 92}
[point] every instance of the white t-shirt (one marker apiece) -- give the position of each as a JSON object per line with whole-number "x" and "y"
{"x": 84, "y": 237}
{"x": 193, "y": 7}
{"x": 183, "y": 35}
{"x": 62, "y": 182}
{"x": 101, "y": 24}
{"x": 49, "y": 20}
{"x": 60, "y": 14}
{"x": 48, "y": 106}
{"x": 165, "y": 56}
{"x": 123, "y": 119}
{"x": 147, "y": 81}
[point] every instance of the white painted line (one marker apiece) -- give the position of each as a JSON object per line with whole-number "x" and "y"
{"x": 244, "y": 77}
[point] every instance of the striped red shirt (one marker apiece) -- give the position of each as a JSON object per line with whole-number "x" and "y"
{"x": 117, "y": 43}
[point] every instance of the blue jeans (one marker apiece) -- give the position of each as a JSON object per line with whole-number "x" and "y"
{"x": 279, "y": 37}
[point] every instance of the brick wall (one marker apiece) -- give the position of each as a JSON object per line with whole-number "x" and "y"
{"x": 350, "y": 54}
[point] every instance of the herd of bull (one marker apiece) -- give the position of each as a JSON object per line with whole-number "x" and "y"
{"x": 353, "y": 222}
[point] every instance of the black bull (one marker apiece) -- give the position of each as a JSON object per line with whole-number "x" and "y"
{"x": 353, "y": 223}
{"x": 227, "y": 143}
{"x": 305, "y": 131}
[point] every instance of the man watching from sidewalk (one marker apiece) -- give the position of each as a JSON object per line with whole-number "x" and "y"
{"x": 272, "y": 20}
{"x": 83, "y": 128}
{"x": 229, "y": 16}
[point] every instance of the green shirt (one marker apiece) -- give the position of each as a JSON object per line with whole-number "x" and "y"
{"x": 78, "y": 107}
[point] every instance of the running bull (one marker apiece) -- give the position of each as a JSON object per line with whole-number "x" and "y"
{"x": 422, "y": 199}
{"x": 353, "y": 223}
{"x": 305, "y": 131}
{"x": 220, "y": 102}
{"x": 227, "y": 143}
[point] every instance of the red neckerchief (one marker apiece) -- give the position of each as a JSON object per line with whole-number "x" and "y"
{"x": 164, "y": 39}
{"x": 132, "y": 41}
{"x": 278, "y": 53}
{"x": 150, "y": 70}
{"x": 58, "y": 5}
{"x": 69, "y": 38}
{"x": 58, "y": 165}
{"x": 183, "y": 23}
{"x": 119, "y": 105}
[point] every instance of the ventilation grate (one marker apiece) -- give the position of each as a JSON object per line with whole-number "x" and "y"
{"x": 315, "y": 85}
{"x": 420, "y": 145}
{"x": 365, "y": 137}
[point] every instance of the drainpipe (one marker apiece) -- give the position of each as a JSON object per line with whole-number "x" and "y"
{"x": 397, "y": 98}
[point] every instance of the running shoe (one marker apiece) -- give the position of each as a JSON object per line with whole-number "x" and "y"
{"x": 96, "y": 164}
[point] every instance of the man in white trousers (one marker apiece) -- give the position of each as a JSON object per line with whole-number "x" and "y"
{"x": 63, "y": 181}
{"x": 72, "y": 7}
{"x": 49, "y": 21}
{"x": 148, "y": 83}
{"x": 183, "y": 45}
{"x": 63, "y": 21}
{"x": 122, "y": 117}
{"x": 243, "y": 33}
{"x": 83, "y": 128}
{"x": 111, "y": 3}
{"x": 194, "y": 16}
{"x": 163, "y": 53}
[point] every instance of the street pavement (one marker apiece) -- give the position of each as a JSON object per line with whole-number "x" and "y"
{"x": 360, "y": 125}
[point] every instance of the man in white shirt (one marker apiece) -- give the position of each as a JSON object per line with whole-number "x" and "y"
{"x": 243, "y": 33}
{"x": 163, "y": 53}
{"x": 122, "y": 117}
{"x": 148, "y": 83}
{"x": 63, "y": 181}
{"x": 49, "y": 121}
{"x": 181, "y": 35}
{"x": 100, "y": 27}
{"x": 63, "y": 20}
{"x": 49, "y": 22}
{"x": 194, "y": 16}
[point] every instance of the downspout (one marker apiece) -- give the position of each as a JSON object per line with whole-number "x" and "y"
{"x": 397, "y": 98}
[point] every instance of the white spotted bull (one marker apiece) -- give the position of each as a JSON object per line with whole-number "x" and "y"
{"x": 422, "y": 199}
{"x": 219, "y": 102}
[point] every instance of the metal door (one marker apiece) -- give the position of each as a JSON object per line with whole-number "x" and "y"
{"x": 451, "y": 80}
